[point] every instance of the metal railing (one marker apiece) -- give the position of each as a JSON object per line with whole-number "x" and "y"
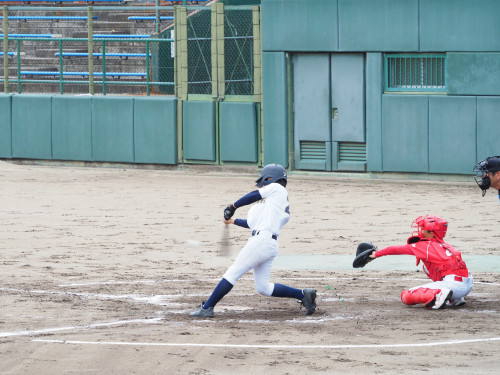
{"x": 129, "y": 50}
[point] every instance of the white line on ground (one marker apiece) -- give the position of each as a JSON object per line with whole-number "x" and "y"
{"x": 257, "y": 346}
{"x": 70, "y": 328}
{"x": 162, "y": 281}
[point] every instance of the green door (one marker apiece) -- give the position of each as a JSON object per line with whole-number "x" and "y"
{"x": 312, "y": 118}
{"x": 329, "y": 111}
{"x": 348, "y": 111}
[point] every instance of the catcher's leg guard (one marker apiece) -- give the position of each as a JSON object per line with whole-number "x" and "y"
{"x": 420, "y": 295}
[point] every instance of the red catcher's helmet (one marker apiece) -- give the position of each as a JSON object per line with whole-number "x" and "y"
{"x": 433, "y": 224}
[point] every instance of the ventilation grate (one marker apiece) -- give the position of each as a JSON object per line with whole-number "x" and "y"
{"x": 415, "y": 72}
{"x": 352, "y": 152}
{"x": 312, "y": 151}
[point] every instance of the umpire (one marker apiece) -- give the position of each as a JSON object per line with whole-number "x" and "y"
{"x": 487, "y": 174}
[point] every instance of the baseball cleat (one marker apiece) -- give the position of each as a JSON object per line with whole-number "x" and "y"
{"x": 456, "y": 302}
{"x": 441, "y": 298}
{"x": 309, "y": 300}
{"x": 203, "y": 313}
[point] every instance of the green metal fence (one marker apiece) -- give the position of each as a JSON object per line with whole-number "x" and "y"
{"x": 127, "y": 50}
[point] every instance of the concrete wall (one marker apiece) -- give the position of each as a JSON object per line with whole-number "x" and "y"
{"x": 111, "y": 129}
{"x": 407, "y": 133}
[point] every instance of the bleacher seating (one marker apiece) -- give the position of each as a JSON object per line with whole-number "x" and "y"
{"x": 28, "y": 35}
{"x": 120, "y": 36}
{"x": 61, "y": 1}
{"x": 98, "y": 54}
{"x": 149, "y": 18}
{"x": 83, "y": 74}
{"x": 48, "y": 18}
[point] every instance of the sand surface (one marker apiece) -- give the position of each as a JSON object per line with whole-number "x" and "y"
{"x": 99, "y": 268}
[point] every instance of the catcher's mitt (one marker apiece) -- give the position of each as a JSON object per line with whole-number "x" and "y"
{"x": 363, "y": 253}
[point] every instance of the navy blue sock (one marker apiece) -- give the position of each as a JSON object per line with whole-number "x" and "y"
{"x": 286, "y": 291}
{"x": 219, "y": 292}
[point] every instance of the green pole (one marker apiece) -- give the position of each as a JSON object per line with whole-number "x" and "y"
{"x": 91, "y": 50}
{"x": 18, "y": 49}
{"x": 157, "y": 17}
{"x": 148, "y": 90}
{"x": 61, "y": 67}
{"x": 5, "y": 29}
{"x": 103, "y": 67}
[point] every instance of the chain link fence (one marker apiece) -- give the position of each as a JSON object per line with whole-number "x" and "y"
{"x": 238, "y": 47}
{"x": 133, "y": 50}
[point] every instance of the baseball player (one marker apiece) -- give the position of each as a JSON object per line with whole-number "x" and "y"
{"x": 265, "y": 220}
{"x": 487, "y": 174}
{"x": 451, "y": 280}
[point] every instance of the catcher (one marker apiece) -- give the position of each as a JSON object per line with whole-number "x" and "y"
{"x": 441, "y": 262}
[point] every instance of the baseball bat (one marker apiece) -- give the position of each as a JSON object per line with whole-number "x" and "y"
{"x": 224, "y": 246}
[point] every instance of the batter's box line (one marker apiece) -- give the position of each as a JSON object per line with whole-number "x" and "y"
{"x": 266, "y": 346}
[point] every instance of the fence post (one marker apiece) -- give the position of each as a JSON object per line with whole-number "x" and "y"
{"x": 257, "y": 55}
{"x": 257, "y": 78}
{"x": 218, "y": 73}
{"x": 5, "y": 29}
{"x": 148, "y": 89}
{"x": 157, "y": 17}
{"x": 180, "y": 70}
{"x": 91, "y": 50}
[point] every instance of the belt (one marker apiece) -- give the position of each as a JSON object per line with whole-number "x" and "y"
{"x": 256, "y": 232}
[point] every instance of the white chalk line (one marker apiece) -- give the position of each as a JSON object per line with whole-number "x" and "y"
{"x": 157, "y": 299}
{"x": 267, "y": 346}
{"x": 165, "y": 281}
{"x": 73, "y": 328}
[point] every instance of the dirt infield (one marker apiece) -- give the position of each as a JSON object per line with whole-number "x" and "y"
{"x": 100, "y": 268}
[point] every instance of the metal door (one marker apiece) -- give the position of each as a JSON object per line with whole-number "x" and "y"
{"x": 348, "y": 111}
{"x": 329, "y": 111}
{"x": 312, "y": 118}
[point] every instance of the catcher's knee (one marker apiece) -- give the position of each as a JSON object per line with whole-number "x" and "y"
{"x": 406, "y": 297}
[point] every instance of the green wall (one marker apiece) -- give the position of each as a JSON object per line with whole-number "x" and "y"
{"x": 5, "y": 126}
{"x": 198, "y": 130}
{"x": 72, "y": 128}
{"x": 473, "y": 73}
{"x": 459, "y": 25}
{"x": 374, "y": 89}
{"x": 31, "y": 127}
{"x": 291, "y": 25}
{"x": 381, "y": 25}
{"x": 404, "y": 132}
{"x": 155, "y": 130}
{"x": 452, "y": 134}
{"x": 238, "y": 132}
{"x": 274, "y": 86}
{"x": 438, "y": 134}
{"x": 488, "y": 127}
{"x": 378, "y": 25}
{"x": 115, "y": 129}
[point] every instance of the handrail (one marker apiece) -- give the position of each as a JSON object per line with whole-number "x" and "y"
{"x": 141, "y": 78}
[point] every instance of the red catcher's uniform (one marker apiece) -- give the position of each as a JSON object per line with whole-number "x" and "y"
{"x": 440, "y": 259}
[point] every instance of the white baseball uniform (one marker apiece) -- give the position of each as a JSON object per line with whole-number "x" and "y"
{"x": 265, "y": 219}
